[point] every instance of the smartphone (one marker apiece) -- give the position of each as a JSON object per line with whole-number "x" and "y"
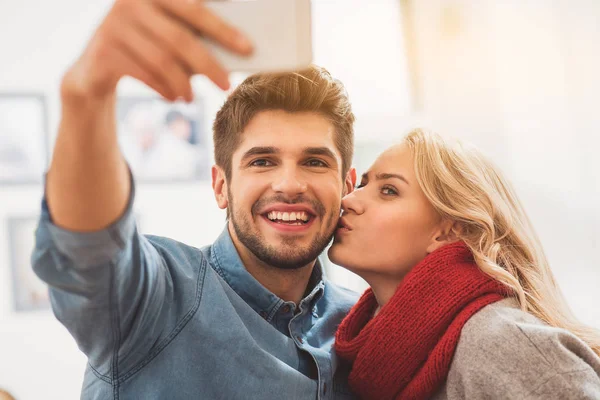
{"x": 280, "y": 31}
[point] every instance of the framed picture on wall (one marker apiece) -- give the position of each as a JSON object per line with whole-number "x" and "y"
{"x": 23, "y": 138}
{"x": 29, "y": 292}
{"x": 162, "y": 141}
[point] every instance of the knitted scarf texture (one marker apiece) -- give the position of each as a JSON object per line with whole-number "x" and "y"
{"x": 405, "y": 351}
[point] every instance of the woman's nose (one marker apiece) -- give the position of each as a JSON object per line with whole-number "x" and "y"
{"x": 351, "y": 203}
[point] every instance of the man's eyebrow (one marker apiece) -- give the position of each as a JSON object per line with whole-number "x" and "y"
{"x": 319, "y": 151}
{"x": 383, "y": 176}
{"x": 260, "y": 150}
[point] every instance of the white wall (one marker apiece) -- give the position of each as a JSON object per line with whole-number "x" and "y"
{"x": 38, "y": 358}
{"x": 525, "y": 92}
{"x": 520, "y": 79}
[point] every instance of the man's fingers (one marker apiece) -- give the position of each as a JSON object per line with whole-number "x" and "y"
{"x": 124, "y": 64}
{"x": 207, "y": 23}
{"x": 183, "y": 44}
{"x": 160, "y": 63}
{"x": 160, "y": 39}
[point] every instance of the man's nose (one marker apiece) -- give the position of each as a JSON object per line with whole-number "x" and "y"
{"x": 290, "y": 182}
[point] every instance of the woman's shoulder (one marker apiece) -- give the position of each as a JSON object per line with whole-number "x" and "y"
{"x": 502, "y": 348}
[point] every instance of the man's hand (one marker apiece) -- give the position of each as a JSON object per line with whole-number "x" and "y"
{"x": 157, "y": 42}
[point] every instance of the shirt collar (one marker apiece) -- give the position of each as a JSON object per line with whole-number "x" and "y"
{"x": 229, "y": 266}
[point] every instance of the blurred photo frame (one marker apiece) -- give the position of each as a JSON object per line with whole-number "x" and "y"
{"x": 163, "y": 141}
{"x": 30, "y": 293}
{"x": 23, "y": 138}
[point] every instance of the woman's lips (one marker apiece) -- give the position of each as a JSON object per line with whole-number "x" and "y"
{"x": 343, "y": 223}
{"x": 343, "y": 227}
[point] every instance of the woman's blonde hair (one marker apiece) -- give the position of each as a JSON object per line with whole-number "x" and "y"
{"x": 465, "y": 187}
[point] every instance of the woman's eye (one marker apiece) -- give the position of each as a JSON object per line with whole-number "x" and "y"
{"x": 315, "y": 163}
{"x": 389, "y": 191}
{"x": 261, "y": 163}
{"x": 360, "y": 185}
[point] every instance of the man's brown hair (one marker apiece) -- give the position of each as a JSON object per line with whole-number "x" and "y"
{"x": 312, "y": 89}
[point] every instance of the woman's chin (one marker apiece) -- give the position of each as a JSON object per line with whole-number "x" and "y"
{"x": 337, "y": 253}
{"x": 333, "y": 253}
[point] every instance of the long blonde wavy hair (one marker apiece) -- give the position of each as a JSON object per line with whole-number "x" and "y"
{"x": 465, "y": 187}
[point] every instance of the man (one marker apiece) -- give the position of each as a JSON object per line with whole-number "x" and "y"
{"x": 248, "y": 317}
{"x": 4, "y": 395}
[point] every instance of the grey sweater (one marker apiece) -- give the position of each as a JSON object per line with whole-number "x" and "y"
{"x": 505, "y": 353}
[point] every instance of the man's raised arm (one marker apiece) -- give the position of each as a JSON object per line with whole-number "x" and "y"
{"x": 110, "y": 286}
{"x": 154, "y": 41}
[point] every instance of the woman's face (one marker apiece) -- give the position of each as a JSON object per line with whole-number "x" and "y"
{"x": 388, "y": 225}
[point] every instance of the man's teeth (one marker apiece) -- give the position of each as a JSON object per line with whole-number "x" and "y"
{"x": 287, "y": 216}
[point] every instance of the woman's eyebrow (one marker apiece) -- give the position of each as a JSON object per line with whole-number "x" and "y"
{"x": 383, "y": 176}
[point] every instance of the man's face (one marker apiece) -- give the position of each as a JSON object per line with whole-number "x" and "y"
{"x": 285, "y": 189}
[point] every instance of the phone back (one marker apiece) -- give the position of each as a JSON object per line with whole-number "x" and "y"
{"x": 280, "y": 31}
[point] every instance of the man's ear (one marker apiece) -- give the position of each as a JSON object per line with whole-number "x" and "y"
{"x": 446, "y": 233}
{"x": 219, "y": 185}
{"x": 350, "y": 182}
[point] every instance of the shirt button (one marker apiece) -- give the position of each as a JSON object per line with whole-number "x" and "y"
{"x": 300, "y": 339}
{"x": 263, "y": 314}
{"x": 285, "y": 309}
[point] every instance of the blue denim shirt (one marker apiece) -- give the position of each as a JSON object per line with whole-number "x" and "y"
{"x": 159, "y": 319}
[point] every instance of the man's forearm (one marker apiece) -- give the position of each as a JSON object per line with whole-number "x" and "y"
{"x": 88, "y": 182}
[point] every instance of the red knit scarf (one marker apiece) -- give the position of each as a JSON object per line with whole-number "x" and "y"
{"x": 406, "y": 350}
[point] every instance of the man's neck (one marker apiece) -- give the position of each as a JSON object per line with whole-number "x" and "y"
{"x": 287, "y": 284}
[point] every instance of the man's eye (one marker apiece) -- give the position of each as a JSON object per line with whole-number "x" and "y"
{"x": 261, "y": 163}
{"x": 360, "y": 185}
{"x": 316, "y": 163}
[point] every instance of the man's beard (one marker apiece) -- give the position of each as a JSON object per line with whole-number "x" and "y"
{"x": 287, "y": 255}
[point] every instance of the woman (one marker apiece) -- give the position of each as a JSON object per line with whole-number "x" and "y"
{"x": 462, "y": 302}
